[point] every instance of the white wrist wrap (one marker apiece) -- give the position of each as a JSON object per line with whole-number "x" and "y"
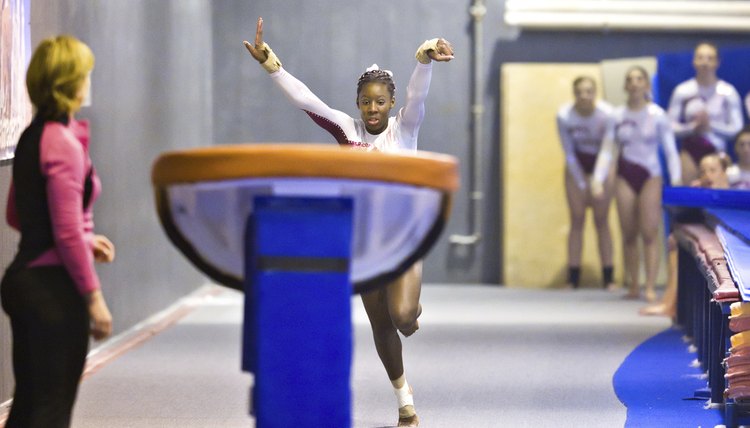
{"x": 404, "y": 395}
{"x": 428, "y": 45}
{"x": 272, "y": 63}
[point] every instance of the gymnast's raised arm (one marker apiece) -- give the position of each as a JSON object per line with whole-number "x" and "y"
{"x": 296, "y": 91}
{"x": 412, "y": 114}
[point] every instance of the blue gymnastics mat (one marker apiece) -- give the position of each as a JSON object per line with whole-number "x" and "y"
{"x": 656, "y": 383}
{"x": 737, "y": 253}
{"x": 736, "y": 222}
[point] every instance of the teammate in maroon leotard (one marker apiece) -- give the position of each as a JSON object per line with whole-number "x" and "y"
{"x": 638, "y": 129}
{"x": 706, "y": 111}
{"x": 581, "y": 125}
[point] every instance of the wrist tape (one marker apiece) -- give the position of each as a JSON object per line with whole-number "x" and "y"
{"x": 272, "y": 63}
{"x": 428, "y": 45}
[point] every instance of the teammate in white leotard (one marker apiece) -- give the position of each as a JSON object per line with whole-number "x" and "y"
{"x": 394, "y": 307}
{"x": 638, "y": 129}
{"x": 581, "y": 125}
{"x": 706, "y": 111}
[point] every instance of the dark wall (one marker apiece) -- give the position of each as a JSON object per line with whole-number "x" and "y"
{"x": 151, "y": 90}
{"x": 151, "y": 93}
{"x": 8, "y": 243}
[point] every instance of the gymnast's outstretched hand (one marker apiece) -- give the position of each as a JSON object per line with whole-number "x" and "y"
{"x": 261, "y": 51}
{"x": 257, "y": 50}
{"x": 434, "y": 50}
{"x": 443, "y": 52}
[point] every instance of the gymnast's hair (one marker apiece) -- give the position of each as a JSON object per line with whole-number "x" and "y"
{"x": 639, "y": 69}
{"x": 722, "y": 158}
{"x": 712, "y": 45}
{"x": 580, "y": 79}
{"x": 376, "y": 76}
{"x": 645, "y": 75}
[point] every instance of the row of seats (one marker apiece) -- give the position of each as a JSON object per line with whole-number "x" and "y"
{"x": 714, "y": 310}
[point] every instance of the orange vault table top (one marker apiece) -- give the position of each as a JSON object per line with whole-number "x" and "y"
{"x": 401, "y": 201}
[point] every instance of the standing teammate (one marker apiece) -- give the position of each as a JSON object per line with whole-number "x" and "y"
{"x": 706, "y": 111}
{"x": 581, "y": 125}
{"x": 638, "y": 128}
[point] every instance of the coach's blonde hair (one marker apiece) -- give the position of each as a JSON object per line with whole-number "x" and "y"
{"x": 56, "y": 73}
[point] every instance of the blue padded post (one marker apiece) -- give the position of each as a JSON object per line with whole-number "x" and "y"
{"x": 297, "y": 332}
{"x": 706, "y": 198}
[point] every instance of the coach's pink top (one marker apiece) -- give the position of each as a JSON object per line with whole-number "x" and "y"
{"x": 65, "y": 162}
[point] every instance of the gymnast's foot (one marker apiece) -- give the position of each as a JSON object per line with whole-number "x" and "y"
{"x": 407, "y": 417}
{"x": 612, "y": 286}
{"x": 413, "y": 328}
{"x": 632, "y": 295}
{"x": 657, "y": 309}
{"x": 650, "y": 296}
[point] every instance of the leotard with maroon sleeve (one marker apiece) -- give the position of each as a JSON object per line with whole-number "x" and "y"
{"x": 401, "y": 132}
{"x": 581, "y": 138}
{"x": 724, "y": 108}
{"x": 638, "y": 135}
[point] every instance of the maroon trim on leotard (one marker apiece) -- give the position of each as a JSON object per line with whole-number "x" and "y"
{"x": 697, "y": 147}
{"x": 587, "y": 161}
{"x": 633, "y": 174}
{"x": 683, "y": 107}
{"x": 338, "y": 134}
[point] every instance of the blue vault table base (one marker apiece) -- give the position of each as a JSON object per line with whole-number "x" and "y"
{"x": 297, "y": 332}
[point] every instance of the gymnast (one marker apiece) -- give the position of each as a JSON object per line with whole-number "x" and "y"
{"x": 706, "y": 111}
{"x": 395, "y": 307}
{"x": 638, "y": 129}
{"x": 581, "y": 125}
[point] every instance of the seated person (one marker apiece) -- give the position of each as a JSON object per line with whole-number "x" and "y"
{"x": 739, "y": 174}
{"x": 712, "y": 175}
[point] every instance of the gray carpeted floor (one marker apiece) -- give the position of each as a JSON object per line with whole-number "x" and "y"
{"x": 484, "y": 357}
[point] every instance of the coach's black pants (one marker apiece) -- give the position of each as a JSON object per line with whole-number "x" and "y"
{"x": 50, "y": 325}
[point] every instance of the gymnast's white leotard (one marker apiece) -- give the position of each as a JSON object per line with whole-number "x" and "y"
{"x": 583, "y": 135}
{"x": 638, "y": 135}
{"x": 402, "y": 130}
{"x": 720, "y": 101}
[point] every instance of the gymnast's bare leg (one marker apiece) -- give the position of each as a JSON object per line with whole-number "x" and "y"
{"x": 649, "y": 218}
{"x": 393, "y": 309}
{"x": 627, "y": 209}
{"x": 668, "y": 304}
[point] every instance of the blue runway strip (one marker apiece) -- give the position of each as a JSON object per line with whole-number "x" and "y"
{"x": 656, "y": 383}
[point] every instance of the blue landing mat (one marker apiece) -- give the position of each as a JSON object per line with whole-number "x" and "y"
{"x": 735, "y": 221}
{"x": 656, "y": 383}
{"x": 737, "y": 253}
